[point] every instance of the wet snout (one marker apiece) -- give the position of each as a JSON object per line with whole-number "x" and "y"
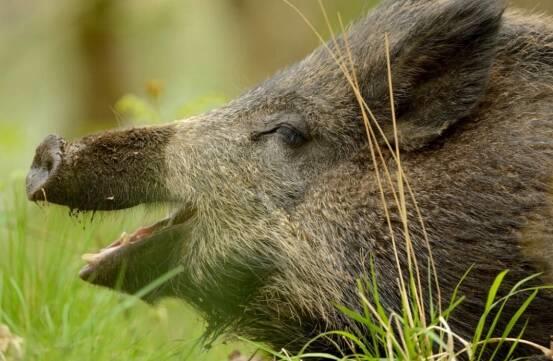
{"x": 105, "y": 171}
{"x": 47, "y": 160}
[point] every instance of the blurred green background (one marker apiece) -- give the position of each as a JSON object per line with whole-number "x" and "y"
{"x": 72, "y": 67}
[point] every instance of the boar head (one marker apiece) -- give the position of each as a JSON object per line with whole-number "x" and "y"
{"x": 277, "y": 207}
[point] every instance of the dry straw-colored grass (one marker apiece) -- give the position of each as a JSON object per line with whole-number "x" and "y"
{"x": 443, "y": 346}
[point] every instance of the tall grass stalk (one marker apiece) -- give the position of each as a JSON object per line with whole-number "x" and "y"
{"x": 409, "y": 335}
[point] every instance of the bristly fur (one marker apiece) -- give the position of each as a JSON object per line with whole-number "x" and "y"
{"x": 283, "y": 229}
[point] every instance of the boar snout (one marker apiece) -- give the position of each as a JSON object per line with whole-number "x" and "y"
{"x": 47, "y": 160}
{"x": 112, "y": 170}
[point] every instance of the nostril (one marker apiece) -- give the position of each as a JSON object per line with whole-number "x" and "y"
{"x": 49, "y": 164}
{"x": 47, "y": 160}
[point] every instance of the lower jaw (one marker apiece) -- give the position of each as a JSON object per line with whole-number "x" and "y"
{"x": 134, "y": 265}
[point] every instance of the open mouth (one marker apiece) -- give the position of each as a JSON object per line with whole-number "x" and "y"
{"x": 130, "y": 261}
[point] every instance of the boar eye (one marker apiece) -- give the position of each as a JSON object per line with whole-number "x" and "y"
{"x": 290, "y": 135}
{"x": 289, "y": 128}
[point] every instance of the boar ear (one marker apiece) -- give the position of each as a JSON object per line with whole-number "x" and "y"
{"x": 440, "y": 65}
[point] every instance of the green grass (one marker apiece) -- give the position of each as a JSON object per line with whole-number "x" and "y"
{"x": 61, "y": 317}
{"x": 405, "y": 335}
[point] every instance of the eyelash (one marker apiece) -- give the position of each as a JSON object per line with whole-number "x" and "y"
{"x": 289, "y": 134}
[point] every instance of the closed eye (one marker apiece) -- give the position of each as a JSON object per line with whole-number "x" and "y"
{"x": 289, "y": 134}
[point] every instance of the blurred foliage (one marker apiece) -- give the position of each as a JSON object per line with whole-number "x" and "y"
{"x": 142, "y": 110}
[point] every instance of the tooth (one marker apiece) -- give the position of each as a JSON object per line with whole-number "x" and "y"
{"x": 124, "y": 238}
{"x": 90, "y": 257}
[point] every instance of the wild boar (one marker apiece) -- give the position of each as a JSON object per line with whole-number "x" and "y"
{"x": 278, "y": 208}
